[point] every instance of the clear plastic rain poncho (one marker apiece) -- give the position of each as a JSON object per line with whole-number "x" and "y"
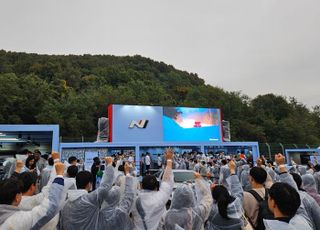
{"x": 244, "y": 178}
{"x": 273, "y": 174}
{"x": 317, "y": 178}
{"x": 150, "y": 205}
{"x": 214, "y": 170}
{"x": 296, "y": 223}
{"x": 82, "y": 208}
{"x": 309, "y": 209}
{"x": 309, "y": 184}
{"x": 302, "y": 169}
{"x": 185, "y": 212}
{"x": 235, "y": 210}
{"x": 224, "y": 174}
{"x": 116, "y": 214}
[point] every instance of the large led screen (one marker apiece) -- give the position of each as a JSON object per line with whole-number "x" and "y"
{"x": 135, "y": 123}
{"x": 191, "y": 124}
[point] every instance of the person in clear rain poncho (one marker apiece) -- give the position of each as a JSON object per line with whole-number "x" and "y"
{"x": 309, "y": 209}
{"x": 116, "y": 214}
{"x": 224, "y": 173}
{"x": 82, "y": 208}
{"x": 227, "y": 212}
{"x": 13, "y": 217}
{"x": 30, "y": 200}
{"x": 244, "y": 178}
{"x": 302, "y": 169}
{"x": 150, "y": 203}
{"x": 184, "y": 212}
{"x": 283, "y": 202}
{"x": 309, "y": 184}
{"x": 317, "y": 176}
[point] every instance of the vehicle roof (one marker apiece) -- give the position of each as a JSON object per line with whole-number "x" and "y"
{"x": 182, "y": 170}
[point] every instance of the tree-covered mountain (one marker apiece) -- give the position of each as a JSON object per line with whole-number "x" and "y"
{"x": 75, "y": 90}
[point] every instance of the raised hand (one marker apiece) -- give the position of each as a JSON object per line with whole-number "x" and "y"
{"x": 169, "y": 153}
{"x": 55, "y": 155}
{"x": 19, "y": 166}
{"x": 280, "y": 159}
{"x": 197, "y": 175}
{"x": 59, "y": 168}
{"x": 232, "y": 167}
{"x": 108, "y": 160}
{"x": 126, "y": 168}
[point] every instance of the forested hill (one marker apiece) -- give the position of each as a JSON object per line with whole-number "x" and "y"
{"x": 74, "y": 91}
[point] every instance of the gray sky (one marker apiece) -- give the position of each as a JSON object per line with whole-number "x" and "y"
{"x": 253, "y": 46}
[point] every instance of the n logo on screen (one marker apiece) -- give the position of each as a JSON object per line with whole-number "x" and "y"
{"x": 141, "y": 124}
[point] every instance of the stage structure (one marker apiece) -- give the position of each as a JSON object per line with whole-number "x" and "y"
{"x": 140, "y": 129}
{"x": 89, "y": 150}
{"x": 303, "y": 156}
{"x": 15, "y": 138}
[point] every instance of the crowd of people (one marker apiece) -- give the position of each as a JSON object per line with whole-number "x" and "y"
{"x": 228, "y": 192}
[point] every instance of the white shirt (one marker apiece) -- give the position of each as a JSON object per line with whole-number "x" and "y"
{"x": 130, "y": 159}
{"x": 148, "y": 161}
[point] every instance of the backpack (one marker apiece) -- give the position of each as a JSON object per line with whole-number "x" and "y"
{"x": 264, "y": 212}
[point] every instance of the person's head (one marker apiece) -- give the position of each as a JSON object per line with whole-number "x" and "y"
{"x": 72, "y": 160}
{"x": 96, "y": 161}
{"x": 26, "y": 152}
{"x": 297, "y": 178}
{"x": 150, "y": 182}
{"x": 45, "y": 156}
{"x": 183, "y": 197}
{"x": 270, "y": 163}
{"x": 72, "y": 171}
{"x": 37, "y": 154}
{"x": 30, "y": 162}
{"x": 10, "y": 192}
{"x": 283, "y": 200}
{"x": 222, "y": 197}
{"x": 246, "y": 168}
{"x": 121, "y": 168}
{"x": 257, "y": 176}
{"x": 29, "y": 182}
{"x": 224, "y": 162}
{"x": 50, "y": 161}
{"x": 309, "y": 183}
{"x": 261, "y": 161}
{"x": 84, "y": 180}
